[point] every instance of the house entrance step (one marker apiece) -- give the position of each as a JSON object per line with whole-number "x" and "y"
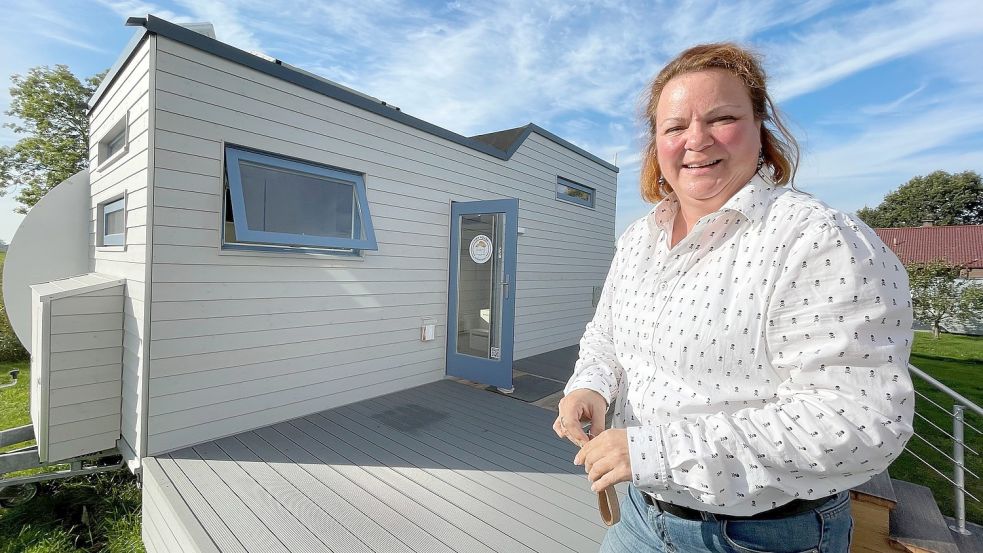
{"x": 877, "y": 490}
{"x": 916, "y": 521}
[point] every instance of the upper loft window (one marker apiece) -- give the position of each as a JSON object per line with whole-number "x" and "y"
{"x": 112, "y": 218}
{"x": 570, "y": 191}
{"x": 114, "y": 143}
{"x": 286, "y": 204}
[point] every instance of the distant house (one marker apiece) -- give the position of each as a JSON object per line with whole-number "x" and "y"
{"x": 960, "y": 245}
{"x": 957, "y": 245}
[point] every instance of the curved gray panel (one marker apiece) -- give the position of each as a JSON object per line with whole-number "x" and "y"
{"x": 51, "y": 243}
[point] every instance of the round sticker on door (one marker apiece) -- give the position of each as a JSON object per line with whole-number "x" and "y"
{"x": 481, "y": 248}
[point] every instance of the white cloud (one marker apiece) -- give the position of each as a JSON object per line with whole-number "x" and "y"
{"x": 891, "y": 107}
{"x": 835, "y": 48}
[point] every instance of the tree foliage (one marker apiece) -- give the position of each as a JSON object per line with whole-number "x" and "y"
{"x": 940, "y": 197}
{"x": 940, "y": 297}
{"x": 51, "y": 105}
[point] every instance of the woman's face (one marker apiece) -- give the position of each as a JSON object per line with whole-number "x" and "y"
{"x": 707, "y": 137}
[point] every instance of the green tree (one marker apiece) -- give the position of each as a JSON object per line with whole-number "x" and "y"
{"x": 51, "y": 105}
{"x": 939, "y": 296}
{"x": 943, "y": 198}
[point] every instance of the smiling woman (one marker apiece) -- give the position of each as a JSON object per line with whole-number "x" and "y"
{"x": 752, "y": 341}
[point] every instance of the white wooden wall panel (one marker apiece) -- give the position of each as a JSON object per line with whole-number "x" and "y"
{"x": 128, "y": 96}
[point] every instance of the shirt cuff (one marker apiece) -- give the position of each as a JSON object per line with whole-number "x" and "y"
{"x": 591, "y": 382}
{"x": 647, "y": 451}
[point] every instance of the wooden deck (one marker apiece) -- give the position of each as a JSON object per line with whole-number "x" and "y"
{"x": 438, "y": 468}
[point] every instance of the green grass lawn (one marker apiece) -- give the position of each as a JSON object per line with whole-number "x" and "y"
{"x": 957, "y": 361}
{"x": 53, "y": 521}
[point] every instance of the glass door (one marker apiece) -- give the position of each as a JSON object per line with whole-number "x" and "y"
{"x": 481, "y": 293}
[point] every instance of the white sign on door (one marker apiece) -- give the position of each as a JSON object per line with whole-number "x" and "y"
{"x": 481, "y": 248}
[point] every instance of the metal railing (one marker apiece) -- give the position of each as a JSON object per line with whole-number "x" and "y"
{"x": 959, "y": 445}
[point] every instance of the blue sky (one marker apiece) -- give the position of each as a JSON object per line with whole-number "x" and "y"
{"x": 876, "y": 92}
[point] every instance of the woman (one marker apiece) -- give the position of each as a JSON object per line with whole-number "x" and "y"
{"x": 753, "y": 340}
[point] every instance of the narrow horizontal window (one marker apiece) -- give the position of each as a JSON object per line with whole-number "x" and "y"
{"x": 570, "y": 191}
{"x": 113, "y": 219}
{"x": 283, "y": 203}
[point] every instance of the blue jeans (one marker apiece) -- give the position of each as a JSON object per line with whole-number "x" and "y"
{"x": 644, "y": 529}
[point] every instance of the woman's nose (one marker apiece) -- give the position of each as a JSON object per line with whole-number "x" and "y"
{"x": 698, "y": 137}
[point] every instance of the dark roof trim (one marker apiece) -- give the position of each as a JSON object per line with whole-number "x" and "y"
{"x": 201, "y": 42}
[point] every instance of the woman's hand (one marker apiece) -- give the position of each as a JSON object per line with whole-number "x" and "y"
{"x": 606, "y": 459}
{"x": 577, "y": 407}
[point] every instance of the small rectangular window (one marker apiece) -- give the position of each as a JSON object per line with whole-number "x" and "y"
{"x": 570, "y": 191}
{"x": 273, "y": 201}
{"x": 114, "y": 143}
{"x": 113, "y": 222}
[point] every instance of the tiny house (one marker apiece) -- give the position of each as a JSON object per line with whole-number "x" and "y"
{"x": 253, "y": 243}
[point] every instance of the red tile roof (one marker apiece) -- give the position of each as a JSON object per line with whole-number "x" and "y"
{"x": 957, "y": 244}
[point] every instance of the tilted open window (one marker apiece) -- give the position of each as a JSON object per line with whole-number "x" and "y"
{"x": 284, "y": 203}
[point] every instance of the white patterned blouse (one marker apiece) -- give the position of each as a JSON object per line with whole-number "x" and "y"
{"x": 761, "y": 359}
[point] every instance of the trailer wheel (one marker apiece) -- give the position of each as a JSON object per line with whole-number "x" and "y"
{"x": 12, "y": 496}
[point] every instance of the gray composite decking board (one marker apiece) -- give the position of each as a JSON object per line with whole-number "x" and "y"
{"x": 493, "y": 487}
{"x": 503, "y": 456}
{"x": 879, "y": 486}
{"x": 376, "y": 537}
{"x": 442, "y": 535}
{"x": 535, "y": 432}
{"x": 506, "y": 500}
{"x": 427, "y": 491}
{"x": 508, "y": 469}
{"x": 338, "y": 483}
{"x": 972, "y": 543}
{"x": 282, "y": 524}
{"x": 181, "y": 491}
{"x": 916, "y": 519}
{"x": 290, "y": 499}
{"x": 476, "y": 472}
{"x": 533, "y": 428}
{"x": 484, "y": 493}
{"x": 252, "y": 533}
{"x": 149, "y": 521}
{"x": 506, "y": 454}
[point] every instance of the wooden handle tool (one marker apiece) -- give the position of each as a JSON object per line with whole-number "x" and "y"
{"x": 607, "y": 504}
{"x": 607, "y": 499}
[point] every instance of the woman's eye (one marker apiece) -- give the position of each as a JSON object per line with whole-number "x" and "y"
{"x": 726, "y": 118}
{"x": 673, "y": 130}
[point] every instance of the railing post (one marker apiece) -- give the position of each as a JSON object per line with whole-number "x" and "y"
{"x": 957, "y": 455}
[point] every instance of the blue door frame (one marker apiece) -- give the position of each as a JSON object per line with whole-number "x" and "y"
{"x": 495, "y": 372}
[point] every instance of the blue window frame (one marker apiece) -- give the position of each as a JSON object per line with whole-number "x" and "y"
{"x": 113, "y": 220}
{"x": 569, "y": 191}
{"x": 285, "y": 202}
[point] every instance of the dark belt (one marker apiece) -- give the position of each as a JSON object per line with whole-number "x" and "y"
{"x": 794, "y": 507}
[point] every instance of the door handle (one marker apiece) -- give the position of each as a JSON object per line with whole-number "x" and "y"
{"x": 505, "y": 286}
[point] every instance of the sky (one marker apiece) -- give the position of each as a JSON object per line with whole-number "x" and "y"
{"x": 876, "y": 92}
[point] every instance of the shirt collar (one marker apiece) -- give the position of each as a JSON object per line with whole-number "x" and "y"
{"x": 750, "y": 201}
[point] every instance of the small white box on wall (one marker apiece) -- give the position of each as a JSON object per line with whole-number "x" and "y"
{"x": 428, "y": 331}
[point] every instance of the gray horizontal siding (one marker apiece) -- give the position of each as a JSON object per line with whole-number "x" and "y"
{"x": 83, "y": 399}
{"x": 129, "y": 94}
{"x": 428, "y": 469}
{"x": 234, "y": 333}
